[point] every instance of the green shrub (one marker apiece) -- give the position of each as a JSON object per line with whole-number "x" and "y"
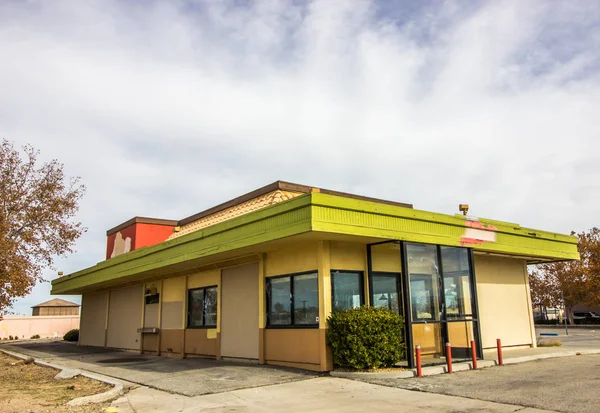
{"x": 35, "y": 336}
{"x": 366, "y": 337}
{"x": 72, "y": 335}
{"x": 10, "y": 337}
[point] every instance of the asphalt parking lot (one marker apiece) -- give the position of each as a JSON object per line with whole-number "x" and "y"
{"x": 566, "y": 384}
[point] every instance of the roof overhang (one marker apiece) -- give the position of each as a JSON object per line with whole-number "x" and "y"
{"x": 322, "y": 213}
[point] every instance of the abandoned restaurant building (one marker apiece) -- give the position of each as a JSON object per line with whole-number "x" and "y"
{"x": 255, "y": 278}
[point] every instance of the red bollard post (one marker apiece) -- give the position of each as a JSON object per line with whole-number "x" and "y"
{"x": 499, "y": 346}
{"x": 474, "y": 354}
{"x": 449, "y": 357}
{"x": 419, "y": 368}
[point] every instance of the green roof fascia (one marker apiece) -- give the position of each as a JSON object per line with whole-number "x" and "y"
{"x": 288, "y": 218}
{"x": 349, "y": 216}
{"x": 323, "y": 213}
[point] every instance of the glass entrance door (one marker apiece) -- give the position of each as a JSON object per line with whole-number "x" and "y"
{"x": 458, "y": 299}
{"x": 441, "y": 300}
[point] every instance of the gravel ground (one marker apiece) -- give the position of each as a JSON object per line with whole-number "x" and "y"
{"x": 30, "y": 388}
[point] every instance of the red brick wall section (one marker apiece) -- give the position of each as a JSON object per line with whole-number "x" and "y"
{"x": 151, "y": 234}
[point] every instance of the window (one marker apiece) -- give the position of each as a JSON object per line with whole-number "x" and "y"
{"x": 293, "y": 300}
{"x": 153, "y": 298}
{"x": 347, "y": 289}
{"x": 425, "y": 282}
{"x": 384, "y": 291}
{"x": 202, "y": 307}
{"x": 457, "y": 282}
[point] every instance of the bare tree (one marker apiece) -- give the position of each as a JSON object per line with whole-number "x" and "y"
{"x": 37, "y": 219}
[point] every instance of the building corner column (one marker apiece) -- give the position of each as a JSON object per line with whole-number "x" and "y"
{"x": 324, "y": 264}
{"x": 219, "y": 309}
{"x": 529, "y": 306}
{"x": 261, "y": 309}
{"x": 160, "y": 300}
{"x": 141, "y": 335}
{"x": 106, "y": 320}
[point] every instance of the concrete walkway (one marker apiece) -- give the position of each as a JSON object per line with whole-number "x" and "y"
{"x": 244, "y": 388}
{"x": 189, "y": 377}
{"x": 325, "y": 394}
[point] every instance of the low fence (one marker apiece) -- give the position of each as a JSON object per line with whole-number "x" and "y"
{"x": 54, "y": 326}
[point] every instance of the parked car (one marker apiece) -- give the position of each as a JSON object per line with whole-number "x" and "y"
{"x": 587, "y": 317}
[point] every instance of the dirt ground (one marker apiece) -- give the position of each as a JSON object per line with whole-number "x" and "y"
{"x": 27, "y": 388}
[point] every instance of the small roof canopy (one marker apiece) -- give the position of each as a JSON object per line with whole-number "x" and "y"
{"x": 56, "y": 302}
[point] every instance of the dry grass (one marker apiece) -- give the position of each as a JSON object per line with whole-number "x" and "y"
{"x": 549, "y": 343}
{"x": 25, "y": 387}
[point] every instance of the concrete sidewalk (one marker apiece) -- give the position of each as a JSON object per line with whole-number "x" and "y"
{"x": 190, "y": 377}
{"x": 322, "y": 394}
{"x": 325, "y": 394}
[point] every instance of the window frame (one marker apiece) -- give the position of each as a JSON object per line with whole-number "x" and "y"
{"x": 361, "y": 288}
{"x": 292, "y": 308}
{"x": 204, "y": 325}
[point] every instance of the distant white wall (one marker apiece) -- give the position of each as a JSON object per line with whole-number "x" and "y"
{"x": 54, "y": 326}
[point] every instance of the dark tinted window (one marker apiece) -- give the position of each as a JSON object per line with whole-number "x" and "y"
{"x": 293, "y": 300}
{"x": 202, "y": 307}
{"x": 347, "y": 289}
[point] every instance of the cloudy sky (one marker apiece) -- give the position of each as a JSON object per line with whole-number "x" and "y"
{"x": 167, "y": 108}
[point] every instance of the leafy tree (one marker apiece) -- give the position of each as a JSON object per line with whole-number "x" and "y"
{"x": 579, "y": 281}
{"x": 37, "y": 219}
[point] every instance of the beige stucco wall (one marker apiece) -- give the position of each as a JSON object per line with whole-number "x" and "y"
{"x": 297, "y": 258}
{"x": 54, "y": 326}
{"x": 125, "y": 317}
{"x": 198, "y": 342}
{"x": 93, "y": 318}
{"x": 239, "y": 311}
{"x": 293, "y": 346}
{"x": 386, "y": 258}
{"x": 348, "y": 256}
{"x": 503, "y": 294}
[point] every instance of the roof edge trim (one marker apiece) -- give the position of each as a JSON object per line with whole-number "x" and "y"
{"x": 142, "y": 220}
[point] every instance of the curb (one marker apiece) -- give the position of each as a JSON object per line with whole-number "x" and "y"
{"x": 570, "y": 326}
{"x": 456, "y": 367}
{"x": 67, "y": 373}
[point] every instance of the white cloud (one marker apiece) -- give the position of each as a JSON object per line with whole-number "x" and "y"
{"x": 167, "y": 109}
